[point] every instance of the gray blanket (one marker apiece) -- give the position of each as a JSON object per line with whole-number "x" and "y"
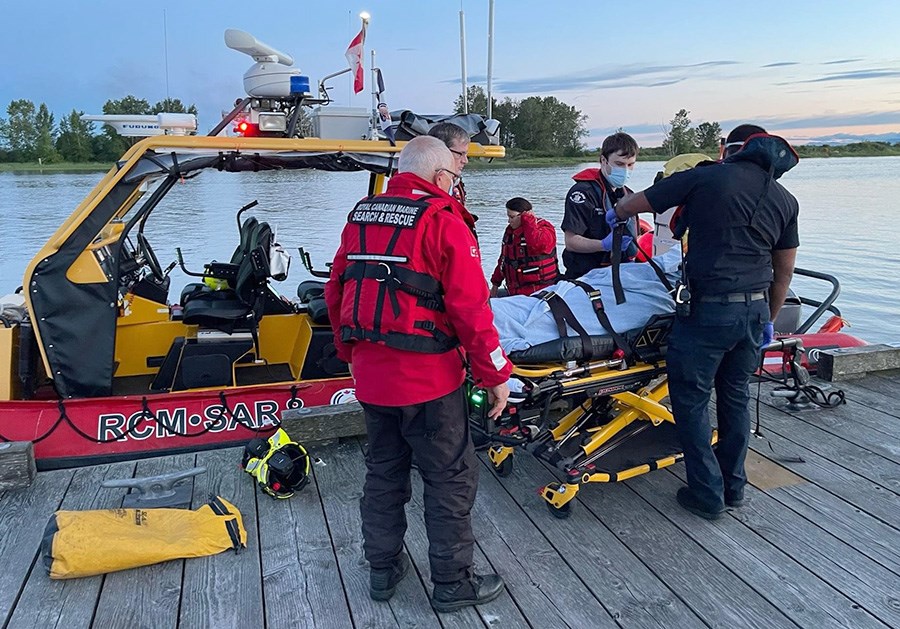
{"x": 526, "y": 321}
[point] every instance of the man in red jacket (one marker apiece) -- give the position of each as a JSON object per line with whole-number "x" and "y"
{"x": 408, "y": 304}
{"x": 528, "y": 254}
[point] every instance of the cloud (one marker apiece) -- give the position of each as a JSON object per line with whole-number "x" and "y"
{"x": 471, "y": 79}
{"x": 632, "y": 129}
{"x": 631, "y": 75}
{"x": 781, "y": 64}
{"x": 858, "y": 119}
{"x": 839, "y": 61}
{"x": 856, "y": 75}
{"x": 406, "y": 49}
{"x": 849, "y": 138}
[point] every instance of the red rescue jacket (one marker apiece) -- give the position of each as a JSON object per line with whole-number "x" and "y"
{"x": 406, "y": 289}
{"x": 528, "y": 259}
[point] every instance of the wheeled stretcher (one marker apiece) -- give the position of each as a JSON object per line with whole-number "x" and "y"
{"x": 600, "y": 419}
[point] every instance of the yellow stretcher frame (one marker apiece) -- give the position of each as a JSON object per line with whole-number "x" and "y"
{"x": 643, "y": 405}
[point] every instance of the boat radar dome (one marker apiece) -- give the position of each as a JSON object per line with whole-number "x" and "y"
{"x": 272, "y": 75}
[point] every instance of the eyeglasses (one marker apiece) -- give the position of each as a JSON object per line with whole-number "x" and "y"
{"x": 459, "y": 154}
{"x": 456, "y": 177}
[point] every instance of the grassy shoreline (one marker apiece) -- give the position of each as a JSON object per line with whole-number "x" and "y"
{"x": 509, "y": 162}
{"x": 61, "y": 167}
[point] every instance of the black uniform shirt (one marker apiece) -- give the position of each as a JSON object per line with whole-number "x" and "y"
{"x": 585, "y": 215}
{"x": 725, "y": 254}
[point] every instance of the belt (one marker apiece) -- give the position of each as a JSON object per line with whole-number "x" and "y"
{"x": 731, "y": 298}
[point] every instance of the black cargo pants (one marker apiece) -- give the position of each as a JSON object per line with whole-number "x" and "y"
{"x": 437, "y": 432}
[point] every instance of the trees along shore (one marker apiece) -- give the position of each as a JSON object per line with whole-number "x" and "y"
{"x": 536, "y": 131}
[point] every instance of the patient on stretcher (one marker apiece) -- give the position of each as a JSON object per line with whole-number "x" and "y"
{"x": 529, "y": 330}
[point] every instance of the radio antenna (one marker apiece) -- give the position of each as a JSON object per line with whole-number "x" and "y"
{"x": 166, "y": 53}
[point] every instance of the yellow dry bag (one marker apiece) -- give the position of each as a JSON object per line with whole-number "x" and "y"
{"x": 85, "y": 543}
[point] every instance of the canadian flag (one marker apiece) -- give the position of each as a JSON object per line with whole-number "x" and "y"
{"x": 354, "y": 56}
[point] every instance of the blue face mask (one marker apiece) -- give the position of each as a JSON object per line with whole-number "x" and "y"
{"x": 619, "y": 176}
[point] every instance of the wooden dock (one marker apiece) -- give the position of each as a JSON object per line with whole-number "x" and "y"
{"x": 817, "y": 545}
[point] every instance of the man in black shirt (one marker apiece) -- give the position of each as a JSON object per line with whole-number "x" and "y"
{"x": 588, "y": 238}
{"x": 742, "y": 243}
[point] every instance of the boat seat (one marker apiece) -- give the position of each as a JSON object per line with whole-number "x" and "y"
{"x": 309, "y": 289}
{"x": 318, "y": 311}
{"x": 242, "y": 306}
{"x": 225, "y": 271}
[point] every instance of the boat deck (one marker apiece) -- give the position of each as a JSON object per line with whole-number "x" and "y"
{"x": 817, "y": 545}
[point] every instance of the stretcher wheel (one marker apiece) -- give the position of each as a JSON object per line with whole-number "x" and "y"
{"x": 563, "y": 512}
{"x": 505, "y": 468}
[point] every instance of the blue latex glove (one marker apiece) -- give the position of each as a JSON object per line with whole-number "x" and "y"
{"x": 607, "y": 242}
{"x": 768, "y": 333}
{"x": 612, "y": 219}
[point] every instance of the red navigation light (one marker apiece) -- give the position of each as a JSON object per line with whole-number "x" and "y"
{"x": 247, "y": 128}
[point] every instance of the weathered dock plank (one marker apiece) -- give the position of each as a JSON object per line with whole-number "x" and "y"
{"x": 720, "y": 597}
{"x": 340, "y": 485}
{"x": 839, "y": 453}
{"x": 829, "y": 556}
{"x": 22, "y": 519}
{"x": 67, "y": 603}
{"x": 301, "y": 579}
{"x": 501, "y": 612}
{"x": 866, "y": 516}
{"x": 544, "y": 586}
{"x": 149, "y": 596}
{"x": 631, "y": 593}
{"x": 855, "y": 362}
{"x": 807, "y": 600}
{"x": 887, "y": 382}
{"x": 861, "y": 393}
{"x": 324, "y": 423}
{"x": 17, "y": 466}
{"x": 224, "y": 590}
{"x": 867, "y": 428}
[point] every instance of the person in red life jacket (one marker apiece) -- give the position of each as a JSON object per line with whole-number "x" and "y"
{"x": 588, "y": 237}
{"x": 408, "y": 305}
{"x": 457, "y": 140}
{"x": 528, "y": 254}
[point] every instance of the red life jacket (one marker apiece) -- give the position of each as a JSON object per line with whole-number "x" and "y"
{"x": 522, "y": 272}
{"x": 388, "y": 297}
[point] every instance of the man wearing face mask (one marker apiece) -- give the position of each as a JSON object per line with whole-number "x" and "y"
{"x": 588, "y": 237}
{"x": 408, "y": 305}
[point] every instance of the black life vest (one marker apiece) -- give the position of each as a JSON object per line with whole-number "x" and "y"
{"x": 521, "y": 269}
{"x": 388, "y": 295}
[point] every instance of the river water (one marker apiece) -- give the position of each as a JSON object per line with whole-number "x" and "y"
{"x": 847, "y": 210}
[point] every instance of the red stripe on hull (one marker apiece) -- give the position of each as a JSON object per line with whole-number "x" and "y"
{"x": 123, "y": 419}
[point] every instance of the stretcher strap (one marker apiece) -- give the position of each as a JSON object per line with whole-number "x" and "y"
{"x": 562, "y": 314}
{"x": 597, "y": 304}
{"x": 616, "y": 260}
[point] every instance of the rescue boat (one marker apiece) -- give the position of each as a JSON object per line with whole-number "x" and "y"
{"x": 100, "y": 361}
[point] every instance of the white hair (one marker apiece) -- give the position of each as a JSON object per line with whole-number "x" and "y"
{"x": 423, "y": 156}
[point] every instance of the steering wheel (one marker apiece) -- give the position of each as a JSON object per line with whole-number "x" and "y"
{"x": 149, "y": 257}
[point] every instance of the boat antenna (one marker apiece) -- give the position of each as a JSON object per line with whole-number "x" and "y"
{"x": 490, "y": 59}
{"x": 462, "y": 54}
{"x": 166, "y": 53}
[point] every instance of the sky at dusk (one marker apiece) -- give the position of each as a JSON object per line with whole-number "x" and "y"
{"x": 807, "y": 70}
